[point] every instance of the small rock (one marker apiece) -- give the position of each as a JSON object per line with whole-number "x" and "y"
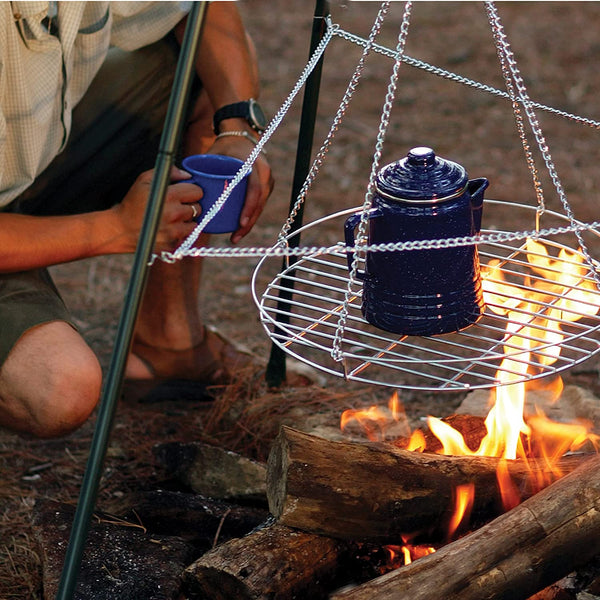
{"x": 214, "y": 472}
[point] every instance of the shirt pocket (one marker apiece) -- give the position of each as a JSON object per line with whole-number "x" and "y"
{"x": 89, "y": 51}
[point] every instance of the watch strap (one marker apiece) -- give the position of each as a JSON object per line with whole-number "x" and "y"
{"x": 248, "y": 110}
{"x": 239, "y": 110}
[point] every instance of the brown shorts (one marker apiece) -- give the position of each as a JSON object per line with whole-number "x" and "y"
{"x": 27, "y": 299}
{"x": 115, "y": 136}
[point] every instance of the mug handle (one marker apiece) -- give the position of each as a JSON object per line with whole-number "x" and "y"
{"x": 349, "y": 226}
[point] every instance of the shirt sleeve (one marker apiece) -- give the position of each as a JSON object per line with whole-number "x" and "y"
{"x": 137, "y": 24}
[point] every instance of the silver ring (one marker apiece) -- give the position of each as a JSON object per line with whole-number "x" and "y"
{"x": 195, "y": 211}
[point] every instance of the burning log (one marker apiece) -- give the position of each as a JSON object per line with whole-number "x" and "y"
{"x": 274, "y": 563}
{"x": 376, "y": 492}
{"x": 516, "y": 555}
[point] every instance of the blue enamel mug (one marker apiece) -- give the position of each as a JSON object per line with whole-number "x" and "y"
{"x": 213, "y": 173}
{"x": 422, "y": 292}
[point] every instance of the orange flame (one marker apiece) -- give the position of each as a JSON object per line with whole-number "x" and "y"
{"x": 417, "y": 441}
{"x": 375, "y": 421}
{"x": 463, "y": 503}
{"x": 555, "y": 291}
{"x": 372, "y": 420}
{"x": 554, "y": 439}
{"x": 509, "y": 493}
{"x": 533, "y": 335}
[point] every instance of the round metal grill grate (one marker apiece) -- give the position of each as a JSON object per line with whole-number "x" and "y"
{"x": 540, "y": 321}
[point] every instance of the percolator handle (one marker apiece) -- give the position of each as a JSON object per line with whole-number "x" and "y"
{"x": 476, "y": 187}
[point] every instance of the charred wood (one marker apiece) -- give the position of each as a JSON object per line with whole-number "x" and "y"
{"x": 272, "y": 563}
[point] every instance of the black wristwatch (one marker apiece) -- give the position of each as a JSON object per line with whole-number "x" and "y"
{"x": 247, "y": 109}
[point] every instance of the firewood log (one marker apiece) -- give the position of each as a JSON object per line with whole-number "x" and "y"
{"x": 375, "y": 492}
{"x": 516, "y": 555}
{"x": 272, "y": 563}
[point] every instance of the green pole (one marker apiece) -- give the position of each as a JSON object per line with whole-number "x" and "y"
{"x": 112, "y": 389}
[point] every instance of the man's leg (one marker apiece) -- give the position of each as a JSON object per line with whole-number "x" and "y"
{"x": 49, "y": 378}
{"x": 170, "y": 338}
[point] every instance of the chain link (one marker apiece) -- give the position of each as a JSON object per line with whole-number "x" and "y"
{"x": 499, "y": 237}
{"x": 336, "y": 351}
{"x": 429, "y": 68}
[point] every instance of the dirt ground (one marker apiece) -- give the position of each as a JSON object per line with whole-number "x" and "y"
{"x": 557, "y": 49}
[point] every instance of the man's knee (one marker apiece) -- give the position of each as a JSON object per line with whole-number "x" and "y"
{"x": 50, "y": 382}
{"x": 69, "y": 398}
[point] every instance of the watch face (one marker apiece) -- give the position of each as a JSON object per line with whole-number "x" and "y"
{"x": 257, "y": 116}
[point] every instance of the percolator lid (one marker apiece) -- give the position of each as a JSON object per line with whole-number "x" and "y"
{"x": 422, "y": 177}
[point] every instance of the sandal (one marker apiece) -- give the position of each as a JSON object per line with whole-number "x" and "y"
{"x": 214, "y": 361}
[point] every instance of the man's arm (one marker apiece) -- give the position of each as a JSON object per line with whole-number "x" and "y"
{"x": 226, "y": 64}
{"x": 29, "y": 242}
{"x": 227, "y": 67}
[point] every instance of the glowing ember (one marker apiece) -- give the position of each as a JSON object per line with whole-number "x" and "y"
{"x": 405, "y": 554}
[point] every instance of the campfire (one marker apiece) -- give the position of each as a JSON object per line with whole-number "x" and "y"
{"x": 496, "y": 506}
{"x": 552, "y": 295}
{"x": 432, "y": 491}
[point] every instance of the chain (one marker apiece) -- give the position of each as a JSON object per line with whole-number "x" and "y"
{"x": 336, "y": 351}
{"x": 498, "y": 237}
{"x": 429, "y": 68}
{"x": 337, "y": 120}
{"x": 504, "y": 48}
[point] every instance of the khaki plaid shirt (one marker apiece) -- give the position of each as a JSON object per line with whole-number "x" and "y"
{"x": 49, "y": 54}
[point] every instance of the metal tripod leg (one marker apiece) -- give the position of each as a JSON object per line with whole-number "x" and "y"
{"x": 112, "y": 389}
{"x": 276, "y": 368}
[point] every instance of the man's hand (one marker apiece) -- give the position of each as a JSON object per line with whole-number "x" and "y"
{"x": 176, "y": 222}
{"x": 260, "y": 182}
